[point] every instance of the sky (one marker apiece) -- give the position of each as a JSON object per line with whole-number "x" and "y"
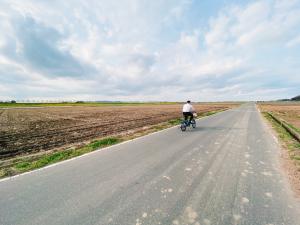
{"x": 141, "y": 50}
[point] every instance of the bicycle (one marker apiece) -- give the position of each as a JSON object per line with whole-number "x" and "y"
{"x": 186, "y": 123}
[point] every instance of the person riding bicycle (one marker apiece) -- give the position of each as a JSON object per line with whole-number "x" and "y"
{"x": 187, "y": 111}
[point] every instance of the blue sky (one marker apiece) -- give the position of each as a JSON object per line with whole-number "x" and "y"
{"x": 171, "y": 50}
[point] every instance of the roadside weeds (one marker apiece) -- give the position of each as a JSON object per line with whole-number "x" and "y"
{"x": 290, "y": 152}
{"x": 293, "y": 145}
{"x": 27, "y": 163}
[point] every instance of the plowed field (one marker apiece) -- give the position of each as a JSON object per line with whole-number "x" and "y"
{"x": 28, "y": 130}
{"x": 289, "y": 111}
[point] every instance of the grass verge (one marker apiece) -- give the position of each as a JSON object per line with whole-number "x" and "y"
{"x": 17, "y": 166}
{"x": 293, "y": 127}
{"x": 54, "y": 157}
{"x": 293, "y": 146}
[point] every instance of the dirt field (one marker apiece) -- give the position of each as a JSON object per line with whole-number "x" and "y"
{"x": 288, "y": 111}
{"x": 28, "y": 130}
{"x": 290, "y": 156}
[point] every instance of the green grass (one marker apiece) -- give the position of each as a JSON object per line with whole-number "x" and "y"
{"x": 175, "y": 121}
{"x": 283, "y": 134}
{"x": 292, "y": 127}
{"x": 211, "y": 112}
{"x": 63, "y": 155}
{"x": 293, "y": 145}
{"x": 12, "y": 105}
{"x": 103, "y": 142}
{"x": 296, "y": 158}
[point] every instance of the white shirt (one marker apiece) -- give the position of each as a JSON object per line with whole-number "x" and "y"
{"x": 187, "y": 108}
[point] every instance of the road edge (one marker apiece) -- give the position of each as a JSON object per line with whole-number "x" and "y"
{"x": 102, "y": 149}
{"x": 284, "y": 159}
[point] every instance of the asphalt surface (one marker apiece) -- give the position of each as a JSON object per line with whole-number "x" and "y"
{"x": 226, "y": 171}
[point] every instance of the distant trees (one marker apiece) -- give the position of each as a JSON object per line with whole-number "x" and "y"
{"x": 284, "y": 100}
{"x": 12, "y": 101}
{"x": 297, "y": 98}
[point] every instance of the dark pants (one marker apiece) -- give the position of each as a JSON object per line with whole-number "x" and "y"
{"x": 188, "y": 114}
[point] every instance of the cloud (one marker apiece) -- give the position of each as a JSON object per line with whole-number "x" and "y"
{"x": 40, "y": 50}
{"x": 149, "y": 50}
{"x": 37, "y": 46}
{"x": 255, "y": 37}
{"x": 293, "y": 42}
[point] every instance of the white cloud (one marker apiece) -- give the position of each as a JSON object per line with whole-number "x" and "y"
{"x": 294, "y": 42}
{"x": 134, "y": 49}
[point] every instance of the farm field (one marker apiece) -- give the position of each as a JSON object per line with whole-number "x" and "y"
{"x": 31, "y": 130}
{"x": 289, "y": 111}
{"x": 68, "y": 104}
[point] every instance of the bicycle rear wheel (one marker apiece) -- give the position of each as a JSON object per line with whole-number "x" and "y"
{"x": 193, "y": 122}
{"x": 183, "y": 127}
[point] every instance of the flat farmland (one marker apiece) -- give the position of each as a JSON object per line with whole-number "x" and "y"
{"x": 288, "y": 111}
{"x": 31, "y": 130}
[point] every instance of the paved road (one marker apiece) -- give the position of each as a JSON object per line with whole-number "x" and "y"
{"x": 226, "y": 171}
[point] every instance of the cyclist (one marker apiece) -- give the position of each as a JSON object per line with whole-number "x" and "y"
{"x": 188, "y": 110}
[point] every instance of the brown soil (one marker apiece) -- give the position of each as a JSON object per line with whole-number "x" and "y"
{"x": 31, "y": 130}
{"x": 292, "y": 170}
{"x": 290, "y": 112}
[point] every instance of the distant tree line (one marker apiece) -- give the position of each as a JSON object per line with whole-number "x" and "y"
{"x": 39, "y": 101}
{"x": 297, "y": 98}
{"x": 11, "y": 101}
